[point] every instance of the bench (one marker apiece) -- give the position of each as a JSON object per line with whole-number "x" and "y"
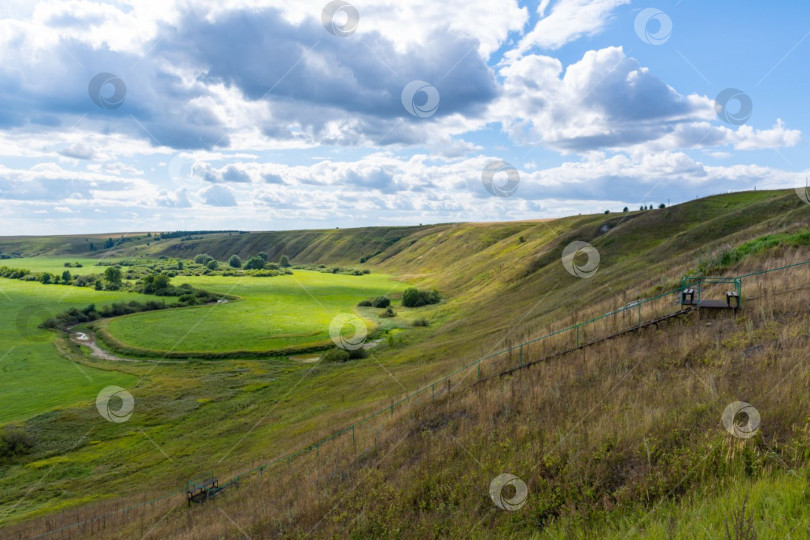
{"x": 729, "y": 296}
{"x": 201, "y": 489}
{"x": 690, "y": 293}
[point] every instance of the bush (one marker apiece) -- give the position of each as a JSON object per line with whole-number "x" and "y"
{"x": 203, "y": 258}
{"x": 413, "y": 297}
{"x": 15, "y": 442}
{"x": 388, "y": 313}
{"x": 235, "y": 261}
{"x": 364, "y": 303}
{"x": 212, "y": 265}
{"x": 335, "y": 355}
{"x": 284, "y": 261}
{"x": 421, "y": 322}
{"x": 255, "y": 263}
{"x": 381, "y": 302}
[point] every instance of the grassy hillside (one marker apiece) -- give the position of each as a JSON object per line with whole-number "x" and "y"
{"x": 503, "y": 283}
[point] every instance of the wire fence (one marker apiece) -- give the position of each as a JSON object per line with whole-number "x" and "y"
{"x": 633, "y": 315}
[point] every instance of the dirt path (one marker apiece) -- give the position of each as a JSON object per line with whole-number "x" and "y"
{"x": 88, "y": 339}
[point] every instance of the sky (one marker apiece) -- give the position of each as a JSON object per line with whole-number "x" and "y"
{"x": 162, "y": 115}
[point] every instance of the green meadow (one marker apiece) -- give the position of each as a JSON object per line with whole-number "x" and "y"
{"x": 35, "y": 377}
{"x": 273, "y": 313}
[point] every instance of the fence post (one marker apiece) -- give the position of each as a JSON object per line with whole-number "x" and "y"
{"x": 639, "y": 314}
{"x": 479, "y": 370}
{"x": 521, "y": 354}
{"x": 392, "y": 410}
{"x": 433, "y": 389}
{"x": 577, "y": 336}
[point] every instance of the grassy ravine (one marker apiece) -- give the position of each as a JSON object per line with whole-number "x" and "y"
{"x": 504, "y": 283}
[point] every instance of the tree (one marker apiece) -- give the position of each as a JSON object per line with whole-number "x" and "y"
{"x": 263, "y": 255}
{"x": 212, "y": 265}
{"x": 66, "y": 277}
{"x": 99, "y": 285}
{"x": 381, "y": 302}
{"x": 179, "y": 265}
{"x": 92, "y": 247}
{"x": 113, "y": 275}
{"x": 46, "y": 278}
{"x": 109, "y": 243}
{"x": 254, "y": 263}
{"x": 607, "y": 211}
{"x": 235, "y": 261}
{"x": 203, "y": 258}
{"x": 284, "y": 261}
{"x": 626, "y": 209}
{"x": 662, "y": 205}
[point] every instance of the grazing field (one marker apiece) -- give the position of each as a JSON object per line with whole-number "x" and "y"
{"x": 273, "y": 313}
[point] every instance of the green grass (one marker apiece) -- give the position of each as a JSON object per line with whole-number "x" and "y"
{"x": 274, "y": 313}
{"x": 54, "y": 265}
{"x": 777, "y": 504}
{"x": 34, "y": 378}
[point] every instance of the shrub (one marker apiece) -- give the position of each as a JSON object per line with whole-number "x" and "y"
{"x": 235, "y": 261}
{"x": 381, "y": 302}
{"x": 335, "y": 355}
{"x": 14, "y": 442}
{"x": 421, "y": 322}
{"x": 364, "y": 303}
{"x": 284, "y": 261}
{"x": 254, "y": 263}
{"x": 388, "y": 313}
{"x": 263, "y": 255}
{"x": 212, "y": 265}
{"x": 202, "y": 258}
{"x": 358, "y": 353}
{"x": 413, "y": 297}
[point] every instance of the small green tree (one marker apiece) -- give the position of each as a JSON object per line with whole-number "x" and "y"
{"x": 113, "y": 275}
{"x": 235, "y": 261}
{"x": 66, "y": 277}
{"x": 255, "y": 263}
{"x": 179, "y": 265}
{"x": 263, "y": 255}
{"x": 46, "y": 278}
{"x": 662, "y": 205}
{"x": 99, "y": 286}
{"x": 626, "y": 209}
{"x": 284, "y": 261}
{"x": 212, "y": 265}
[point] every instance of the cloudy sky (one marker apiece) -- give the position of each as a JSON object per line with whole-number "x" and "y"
{"x": 163, "y": 115}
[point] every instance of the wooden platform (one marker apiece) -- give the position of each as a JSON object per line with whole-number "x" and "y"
{"x": 711, "y": 304}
